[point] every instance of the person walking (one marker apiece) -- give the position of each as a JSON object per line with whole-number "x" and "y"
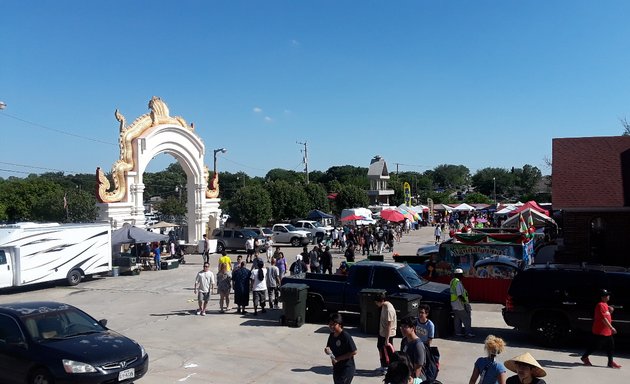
{"x": 603, "y": 331}
{"x": 298, "y": 266}
{"x": 341, "y": 349}
{"x": 156, "y": 257}
{"x": 206, "y": 249}
{"x": 314, "y": 260}
{"x": 259, "y": 286}
{"x": 273, "y": 284}
{"x": 249, "y": 249}
{"x": 240, "y": 280}
{"x": 413, "y": 346}
{"x": 460, "y": 305}
{"x": 487, "y": 369}
{"x": 438, "y": 234}
{"x": 224, "y": 286}
{"x": 386, "y": 329}
{"x": 281, "y": 263}
{"x": 204, "y": 284}
{"x": 527, "y": 370}
{"x": 269, "y": 248}
{"x": 326, "y": 261}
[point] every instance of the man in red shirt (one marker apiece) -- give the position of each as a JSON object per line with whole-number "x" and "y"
{"x": 603, "y": 331}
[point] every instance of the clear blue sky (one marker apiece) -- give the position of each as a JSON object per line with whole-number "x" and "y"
{"x": 422, "y": 83}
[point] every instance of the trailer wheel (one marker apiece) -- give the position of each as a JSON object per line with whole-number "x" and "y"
{"x": 74, "y": 277}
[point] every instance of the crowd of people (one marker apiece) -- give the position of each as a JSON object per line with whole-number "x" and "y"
{"x": 417, "y": 359}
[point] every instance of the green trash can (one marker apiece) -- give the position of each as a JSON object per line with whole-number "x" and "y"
{"x": 293, "y": 298}
{"x": 370, "y": 312}
{"x": 405, "y": 304}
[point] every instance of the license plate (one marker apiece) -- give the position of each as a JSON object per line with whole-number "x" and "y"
{"x": 126, "y": 374}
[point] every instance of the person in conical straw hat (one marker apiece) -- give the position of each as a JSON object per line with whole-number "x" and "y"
{"x": 527, "y": 369}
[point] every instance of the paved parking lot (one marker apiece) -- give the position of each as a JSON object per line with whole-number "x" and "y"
{"x": 158, "y": 310}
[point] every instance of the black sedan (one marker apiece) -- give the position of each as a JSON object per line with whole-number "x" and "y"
{"x": 48, "y": 342}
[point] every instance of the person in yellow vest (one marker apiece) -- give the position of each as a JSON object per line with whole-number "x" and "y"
{"x": 460, "y": 305}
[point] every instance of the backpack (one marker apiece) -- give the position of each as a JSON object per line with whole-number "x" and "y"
{"x": 432, "y": 363}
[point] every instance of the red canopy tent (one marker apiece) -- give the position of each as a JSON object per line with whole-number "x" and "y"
{"x": 530, "y": 204}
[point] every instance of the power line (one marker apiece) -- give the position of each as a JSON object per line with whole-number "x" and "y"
{"x": 58, "y": 130}
{"x": 12, "y": 171}
{"x": 34, "y": 167}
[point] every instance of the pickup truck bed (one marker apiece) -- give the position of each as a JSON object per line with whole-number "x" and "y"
{"x": 341, "y": 293}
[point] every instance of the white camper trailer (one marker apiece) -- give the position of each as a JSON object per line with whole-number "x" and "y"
{"x": 33, "y": 253}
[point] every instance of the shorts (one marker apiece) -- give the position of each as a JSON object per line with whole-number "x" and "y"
{"x": 259, "y": 298}
{"x": 203, "y": 296}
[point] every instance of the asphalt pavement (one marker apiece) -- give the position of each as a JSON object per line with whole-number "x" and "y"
{"x": 157, "y": 308}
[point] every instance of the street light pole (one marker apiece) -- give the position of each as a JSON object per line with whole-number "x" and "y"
{"x": 494, "y": 188}
{"x": 222, "y": 150}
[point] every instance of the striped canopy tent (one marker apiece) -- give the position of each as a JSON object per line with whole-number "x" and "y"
{"x": 408, "y": 212}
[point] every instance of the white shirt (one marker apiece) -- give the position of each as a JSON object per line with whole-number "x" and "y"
{"x": 204, "y": 281}
{"x": 249, "y": 244}
{"x": 259, "y": 285}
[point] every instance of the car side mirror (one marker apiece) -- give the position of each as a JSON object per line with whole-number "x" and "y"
{"x": 103, "y": 322}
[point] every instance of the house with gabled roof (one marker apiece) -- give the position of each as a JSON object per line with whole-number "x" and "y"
{"x": 591, "y": 189}
{"x": 378, "y": 175}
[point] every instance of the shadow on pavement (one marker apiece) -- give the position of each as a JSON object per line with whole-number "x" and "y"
{"x": 327, "y": 370}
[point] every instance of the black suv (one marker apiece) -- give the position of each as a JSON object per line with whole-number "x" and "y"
{"x": 553, "y": 301}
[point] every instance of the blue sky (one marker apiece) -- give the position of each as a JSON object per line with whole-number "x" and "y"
{"x": 422, "y": 83}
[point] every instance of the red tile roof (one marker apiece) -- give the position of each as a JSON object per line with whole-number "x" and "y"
{"x": 588, "y": 172}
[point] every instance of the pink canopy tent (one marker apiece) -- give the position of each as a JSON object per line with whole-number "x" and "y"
{"x": 530, "y": 204}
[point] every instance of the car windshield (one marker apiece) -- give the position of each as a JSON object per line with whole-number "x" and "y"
{"x": 267, "y": 231}
{"x": 317, "y": 225}
{"x": 60, "y": 323}
{"x": 291, "y": 228}
{"x": 412, "y": 277}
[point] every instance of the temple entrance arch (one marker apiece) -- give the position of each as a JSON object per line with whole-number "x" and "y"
{"x": 147, "y": 136}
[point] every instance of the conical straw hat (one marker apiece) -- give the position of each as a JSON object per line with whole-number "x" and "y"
{"x": 537, "y": 370}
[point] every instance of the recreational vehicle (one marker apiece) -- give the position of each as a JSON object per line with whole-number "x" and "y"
{"x": 33, "y": 253}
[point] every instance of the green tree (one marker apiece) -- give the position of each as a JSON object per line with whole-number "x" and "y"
{"x": 451, "y": 176}
{"x": 279, "y": 192}
{"x": 477, "y": 198}
{"x": 350, "y": 196}
{"x": 290, "y": 177}
{"x": 347, "y": 175}
{"x": 528, "y": 179}
{"x": 317, "y": 197}
{"x": 171, "y": 209}
{"x": 81, "y": 206}
{"x": 251, "y": 205}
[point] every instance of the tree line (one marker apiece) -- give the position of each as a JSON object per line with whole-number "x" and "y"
{"x": 279, "y": 195}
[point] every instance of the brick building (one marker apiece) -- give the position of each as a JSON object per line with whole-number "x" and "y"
{"x": 591, "y": 187}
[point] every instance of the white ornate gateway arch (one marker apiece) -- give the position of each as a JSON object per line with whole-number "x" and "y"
{"x": 146, "y": 137}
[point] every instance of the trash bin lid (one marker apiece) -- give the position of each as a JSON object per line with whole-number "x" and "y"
{"x": 294, "y": 286}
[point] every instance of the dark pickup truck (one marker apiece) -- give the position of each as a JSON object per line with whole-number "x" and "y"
{"x": 341, "y": 293}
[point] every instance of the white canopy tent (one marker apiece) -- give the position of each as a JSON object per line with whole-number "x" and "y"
{"x": 464, "y": 207}
{"x": 540, "y": 219}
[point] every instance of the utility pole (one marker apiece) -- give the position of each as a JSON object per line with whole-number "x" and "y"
{"x": 305, "y": 159}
